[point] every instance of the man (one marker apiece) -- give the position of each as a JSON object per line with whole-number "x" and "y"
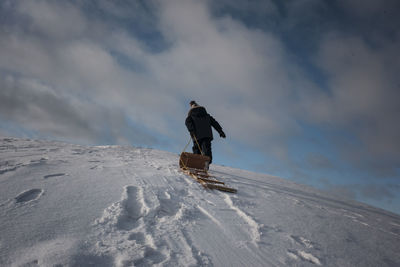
{"x": 198, "y": 123}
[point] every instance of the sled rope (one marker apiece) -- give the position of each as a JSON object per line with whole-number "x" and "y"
{"x": 184, "y": 149}
{"x": 195, "y": 139}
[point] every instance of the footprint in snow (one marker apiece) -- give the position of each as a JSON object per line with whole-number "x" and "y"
{"x": 38, "y": 162}
{"x": 29, "y": 195}
{"x": 8, "y": 169}
{"x": 53, "y": 175}
{"x": 302, "y": 241}
{"x": 150, "y": 257}
{"x": 168, "y": 206}
{"x": 31, "y": 263}
{"x": 78, "y": 151}
{"x": 299, "y": 255}
{"x": 138, "y": 237}
{"x": 133, "y": 208}
{"x": 395, "y": 231}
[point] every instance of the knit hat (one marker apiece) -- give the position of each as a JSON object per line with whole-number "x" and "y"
{"x": 193, "y": 103}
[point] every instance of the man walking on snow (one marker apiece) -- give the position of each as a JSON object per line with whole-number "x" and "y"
{"x": 198, "y": 123}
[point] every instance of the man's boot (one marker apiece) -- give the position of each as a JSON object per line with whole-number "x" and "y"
{"x": 206, "y": 165}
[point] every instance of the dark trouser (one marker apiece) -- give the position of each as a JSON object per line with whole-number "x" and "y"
{"x": 205, "y": 145}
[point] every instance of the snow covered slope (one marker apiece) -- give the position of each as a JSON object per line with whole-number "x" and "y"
{"x": 69, "y": 205}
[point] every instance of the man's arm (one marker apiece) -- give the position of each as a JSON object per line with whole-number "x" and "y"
{"x": 217, "y": 127}
{"x": 190, "y": 125}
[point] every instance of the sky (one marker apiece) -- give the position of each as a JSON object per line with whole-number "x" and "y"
{"x": 306, "y": 90}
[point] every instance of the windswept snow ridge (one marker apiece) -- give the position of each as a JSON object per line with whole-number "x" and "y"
{"x": 69, "y": 205}
{"x": 253, "y": 226}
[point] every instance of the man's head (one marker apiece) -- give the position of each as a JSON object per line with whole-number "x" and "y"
{"x": 193, "y": 103}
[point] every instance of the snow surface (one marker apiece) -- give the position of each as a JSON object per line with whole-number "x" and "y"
{"x": 70, "y": 205}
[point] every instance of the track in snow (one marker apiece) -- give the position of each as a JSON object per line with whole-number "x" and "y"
{"x": 122, "y": 206}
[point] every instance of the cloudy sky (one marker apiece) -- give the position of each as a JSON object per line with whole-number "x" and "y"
{"x": 307, "y": 90}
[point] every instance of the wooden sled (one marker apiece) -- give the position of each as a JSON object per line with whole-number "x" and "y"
{"x": 195, "y": 166}
{"x": 193, "y": 161}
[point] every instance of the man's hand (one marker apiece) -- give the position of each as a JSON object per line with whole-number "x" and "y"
{"x": 222, "y": 134}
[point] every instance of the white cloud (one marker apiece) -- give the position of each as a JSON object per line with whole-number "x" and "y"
{"x": 244, "y": 76}
{"x": 55, "y": 20}
{"x": 241, "y": 74}
{"x": 368, "y": 8}
{"x": 361, "y": 97}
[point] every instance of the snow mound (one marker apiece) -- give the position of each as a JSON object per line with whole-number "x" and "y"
{"x": 69, "y": 205}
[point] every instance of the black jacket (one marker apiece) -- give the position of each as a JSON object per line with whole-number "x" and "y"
{"x": 199, "y": 123}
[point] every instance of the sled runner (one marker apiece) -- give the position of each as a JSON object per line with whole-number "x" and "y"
{"x": 196, "y": 166}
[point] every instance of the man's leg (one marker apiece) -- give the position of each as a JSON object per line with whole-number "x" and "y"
{"x": 206, "y": 147}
